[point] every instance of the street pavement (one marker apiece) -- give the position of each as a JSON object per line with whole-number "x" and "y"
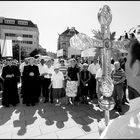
{"x": 47, "y": 121}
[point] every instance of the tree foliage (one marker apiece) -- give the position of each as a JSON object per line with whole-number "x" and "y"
{"x": 37, "y": 51}
{"x": 100, "y": 36}
{"x": 24, "y": 53}
{"x": 51, "y": 54}
{"x": 112, "y": 36}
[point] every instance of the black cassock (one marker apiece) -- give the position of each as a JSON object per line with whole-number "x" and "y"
{"x": 11, "y": 75}
{"x": 30, "y": 89}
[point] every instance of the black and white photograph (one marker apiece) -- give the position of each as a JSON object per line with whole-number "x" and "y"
{"x": 69, "y": 70}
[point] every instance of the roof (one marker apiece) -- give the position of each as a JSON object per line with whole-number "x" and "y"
{"x": 16, "y": 22}
{"x": 66, "y": 32}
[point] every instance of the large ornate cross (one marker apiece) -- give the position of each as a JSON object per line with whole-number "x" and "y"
{"x": 82, "y": 41}
{"x": 105, "y": 18}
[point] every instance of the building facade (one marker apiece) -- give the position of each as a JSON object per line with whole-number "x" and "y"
{"x": 64, "y": 41}
{"x": 12, "y": 28}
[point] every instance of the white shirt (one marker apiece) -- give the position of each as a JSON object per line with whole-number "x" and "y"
{"x": 50, "y": 71}
{"x": 42, "y": 69}
{"x": 98, "y": 73}
{"x": 57, "y": 80}
{"x": 93, "y": 68}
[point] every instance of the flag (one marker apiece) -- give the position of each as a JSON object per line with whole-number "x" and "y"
{"x": 6, "y": 48}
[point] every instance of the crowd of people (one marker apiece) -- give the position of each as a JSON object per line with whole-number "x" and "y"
{"x": 47, "y": 80}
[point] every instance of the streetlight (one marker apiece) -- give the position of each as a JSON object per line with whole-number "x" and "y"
{"x": 19, "y": 38}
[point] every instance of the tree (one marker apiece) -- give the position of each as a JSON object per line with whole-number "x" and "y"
{"x": 51, "y": 54}
{"x": 100, "y": 36}
{"x": 112, "y": 36}
{"x": 37, "y": 51}
{"x": 24, "y": 54}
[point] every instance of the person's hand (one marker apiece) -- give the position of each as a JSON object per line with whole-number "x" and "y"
{"x": 68, "y": 78}
{"x": 114, "y": 82}
{"x": 99, "y": 78}
{"x": 78, "y": 84}
{"x": 31, "y": 74}
{"x": 8, "y": 76}
{"x": 2, "y": 78}
{"x": 86, "y": 84}
{"x": 49, "y": 87}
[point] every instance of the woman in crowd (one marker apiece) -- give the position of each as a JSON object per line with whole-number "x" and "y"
{"x": 10, "y": 75}
{"x": 93, "y": 67}
{"x": 72, "y": 82}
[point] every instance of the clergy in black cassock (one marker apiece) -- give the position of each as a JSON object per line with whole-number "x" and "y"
{"x": 30, "y": 84}
{"x": 11, "y": 75}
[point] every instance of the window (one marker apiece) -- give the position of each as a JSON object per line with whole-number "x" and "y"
{"x": 23, "y": 22}
{"x": 24, "y": 35}
{"x": 14, "y": 41}
{"x": 28, "y": 36}
{"x": 10, "y": 34}
{"x": 22, "y": 42}
{"x": 1, "y": 20}
{"x": 27, "y": 42}
{"x": 9, "y": 21}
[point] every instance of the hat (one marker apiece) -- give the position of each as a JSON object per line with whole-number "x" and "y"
{"x": 85, "y": 64}
{"x": 31, "y": 58}
{"x": 9, "y": 58}
{"x": 62, "y": 60}
{"x": 72, "y": 59}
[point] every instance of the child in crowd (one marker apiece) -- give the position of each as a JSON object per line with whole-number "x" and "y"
{"x": 57, "y": 83}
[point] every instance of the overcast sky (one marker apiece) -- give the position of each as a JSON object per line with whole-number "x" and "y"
{"x": 53, "y": 17}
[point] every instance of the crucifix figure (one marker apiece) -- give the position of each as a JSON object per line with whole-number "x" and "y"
{"x": 82, "y": 41}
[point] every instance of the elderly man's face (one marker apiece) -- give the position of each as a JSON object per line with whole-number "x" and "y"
{"x": 49, "y": 63}
{"x": 73, "y": 63}
{"x": 85, "y": 68}
{"x": 117, "y": 66}
{"x": 31, "y": 61}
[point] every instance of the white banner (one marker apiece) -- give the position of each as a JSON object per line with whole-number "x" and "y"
{"x": 59, "y": 52}
{"x": 73, "y": 51}
{"x": 6, "y": 48}
{"x": 89, "y": 52}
